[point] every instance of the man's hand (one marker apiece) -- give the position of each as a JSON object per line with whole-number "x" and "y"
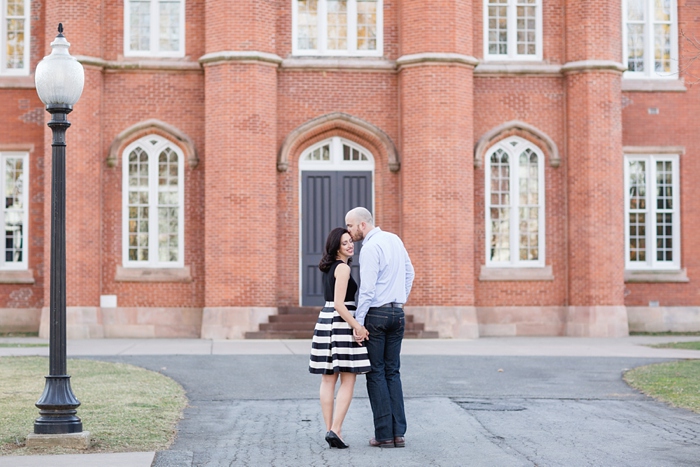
{"x": 360, "y": 335}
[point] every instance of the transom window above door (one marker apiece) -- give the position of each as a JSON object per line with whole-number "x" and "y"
{"x": 337, "y": 27}
{"x": 154, "y": 28}
{"x": 334, "y": 153}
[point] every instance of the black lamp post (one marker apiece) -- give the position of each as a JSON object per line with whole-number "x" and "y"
{"x": 59, "y": 82}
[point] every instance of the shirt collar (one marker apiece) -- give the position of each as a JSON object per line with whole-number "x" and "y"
{"x": 369, "y": 235}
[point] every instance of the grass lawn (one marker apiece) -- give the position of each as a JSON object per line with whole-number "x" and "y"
{"x": 676, "y": 383}
{"x": 124, "y": 407}
{"x": 693, "y": 345}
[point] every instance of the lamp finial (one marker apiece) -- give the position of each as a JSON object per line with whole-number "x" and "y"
{"x": 60, "y": 29}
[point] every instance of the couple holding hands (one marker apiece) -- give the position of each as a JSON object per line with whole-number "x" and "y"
{"x": 351, "y": 339}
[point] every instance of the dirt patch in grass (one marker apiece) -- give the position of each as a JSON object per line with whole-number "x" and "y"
{"x": 125, "y": 408}
{"x": 676, "y": 383}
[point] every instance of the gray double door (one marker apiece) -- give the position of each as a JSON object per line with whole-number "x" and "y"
{"x": 325, "y": 198}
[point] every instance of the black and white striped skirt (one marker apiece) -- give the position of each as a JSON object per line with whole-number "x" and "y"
{"x": 333, "y": 348}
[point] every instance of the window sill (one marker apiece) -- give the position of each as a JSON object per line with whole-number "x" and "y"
{"x": 653, "y": 85}
{"x": 153, "y": 274}
{"x": 516, "y": 67}
{"x": 516, "y": 274}
{"x": 301, "y": 62}
{"x": 17, "y": 82}
{"x": 25, "y": 276}
{"x": 656, "y": 276}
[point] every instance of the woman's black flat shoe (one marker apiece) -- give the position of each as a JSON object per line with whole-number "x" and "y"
{"x": 335, "y": 441}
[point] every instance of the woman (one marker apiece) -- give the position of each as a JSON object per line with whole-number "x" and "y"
{"x": 333, "y": 350}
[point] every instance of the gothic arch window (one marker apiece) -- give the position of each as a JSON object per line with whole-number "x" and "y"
{"x": 336, "y": 154}
{"x": 514, "y": 200}
{"x": 153, "y": 204}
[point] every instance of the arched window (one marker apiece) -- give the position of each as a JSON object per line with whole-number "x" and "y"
{"x": 153, "y": 201}
{"x": 515, "y": 204}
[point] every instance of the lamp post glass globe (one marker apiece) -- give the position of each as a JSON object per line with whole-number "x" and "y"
{"x": 59, "y": 82}
{"x": 59, "y": 77}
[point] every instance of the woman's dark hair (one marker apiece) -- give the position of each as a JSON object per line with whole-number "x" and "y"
{"x": 330, "y": 252}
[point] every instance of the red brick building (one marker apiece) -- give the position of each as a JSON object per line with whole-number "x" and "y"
{"x": 536, "y": 156}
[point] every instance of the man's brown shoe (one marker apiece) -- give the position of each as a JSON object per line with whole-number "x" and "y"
{"x": 399, "y": 441}
{"x": 381, "y": 444}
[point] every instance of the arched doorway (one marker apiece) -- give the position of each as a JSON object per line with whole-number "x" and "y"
{"x": 336, "y": 175}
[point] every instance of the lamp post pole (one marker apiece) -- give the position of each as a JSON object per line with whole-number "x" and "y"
{"x": 59, "y": 83}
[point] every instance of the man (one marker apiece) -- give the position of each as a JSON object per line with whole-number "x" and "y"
{"x": 386, "y": 277}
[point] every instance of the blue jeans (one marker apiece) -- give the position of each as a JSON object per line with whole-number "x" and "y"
{"x": 386, "y": 327}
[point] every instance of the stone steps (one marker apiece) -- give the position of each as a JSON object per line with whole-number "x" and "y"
{"x": 298, "y": 323}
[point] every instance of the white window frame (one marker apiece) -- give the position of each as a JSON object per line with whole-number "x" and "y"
{"x": 154, "y": 29}
{"x": 153, "y": 151}
{"x": 21, "y": 265}
{"x": 649, "y": 72}
{"x": 322, "y": 33}
{"x": 512, "y": 34}
{"x": 4, "y": 71}
{"x": 651, "y": 262}
{"x": 514, "y": 153}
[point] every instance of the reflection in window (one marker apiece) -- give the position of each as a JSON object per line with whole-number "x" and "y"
{"x": 153, "y": 203}
{"x": 652, "y": 212}
{"x": 154, "y": 27}
{"x": 513, "y": 29}
{"x": 650, "y": 45}
{"x": 337, "y": 27}
{"x": 14, "y": 15}
{"x": 515, "y": 205}
{"x": 14, "y": 214}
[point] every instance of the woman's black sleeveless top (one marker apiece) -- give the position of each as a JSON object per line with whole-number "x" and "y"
{"x": 329, "y": 285}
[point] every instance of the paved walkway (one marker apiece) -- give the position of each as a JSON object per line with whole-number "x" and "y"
{"x": 493, "y": 401}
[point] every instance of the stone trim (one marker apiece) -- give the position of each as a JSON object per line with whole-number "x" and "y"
{"x": 24, "y": 147}
{"x": 343, "y": 121}
{"x": 517, "y": 68}
{"x": 140, "y": 65}
{"x": 17, "y": 82}
{"x": 25, "y": 276}
{"x": 153, "y": 274}
{"x": 664, "y": 318}
{"x": 493, "y": 135}
{"x": 593, "y": 65}
{"x": 653, "y": 85}
{"x": 656, "y": 276}
{"x": 680, "y": 150}
{"x": 232, "y": 322}
{"x": 152, "y": 126}
{"x": 435, "y": 58}
{"x": 240, "y": 56}
{"x": 335, "y": 63}
{"x": 515, "y": 274}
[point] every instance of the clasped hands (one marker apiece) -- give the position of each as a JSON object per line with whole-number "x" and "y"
{"x": 360, "y": 335}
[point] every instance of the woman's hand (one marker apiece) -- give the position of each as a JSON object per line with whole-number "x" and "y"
{"x": 360, "y": 334}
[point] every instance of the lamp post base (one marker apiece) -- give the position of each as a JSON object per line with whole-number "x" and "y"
{"x": 57, "y": 408}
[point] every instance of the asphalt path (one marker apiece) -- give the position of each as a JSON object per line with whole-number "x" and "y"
{"x": 260, "y": 410}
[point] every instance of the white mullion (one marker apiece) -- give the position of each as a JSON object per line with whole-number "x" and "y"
{"x": 181, "y": 209}
{"x": 322, "y": 25}
{"x": 154, "y": 27}
{"x": 675, "y": 177}
{"x": 627, "y": 209}
{"x": 514, "y": 182}
{"x": 650, "y": 200}
{"x": 511, "y": 28}
{"x": 351, "y": 27}
{"x": 649, "y": 39}
{"x": 153, "y": 207}
{"x": 3, "y": 263}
